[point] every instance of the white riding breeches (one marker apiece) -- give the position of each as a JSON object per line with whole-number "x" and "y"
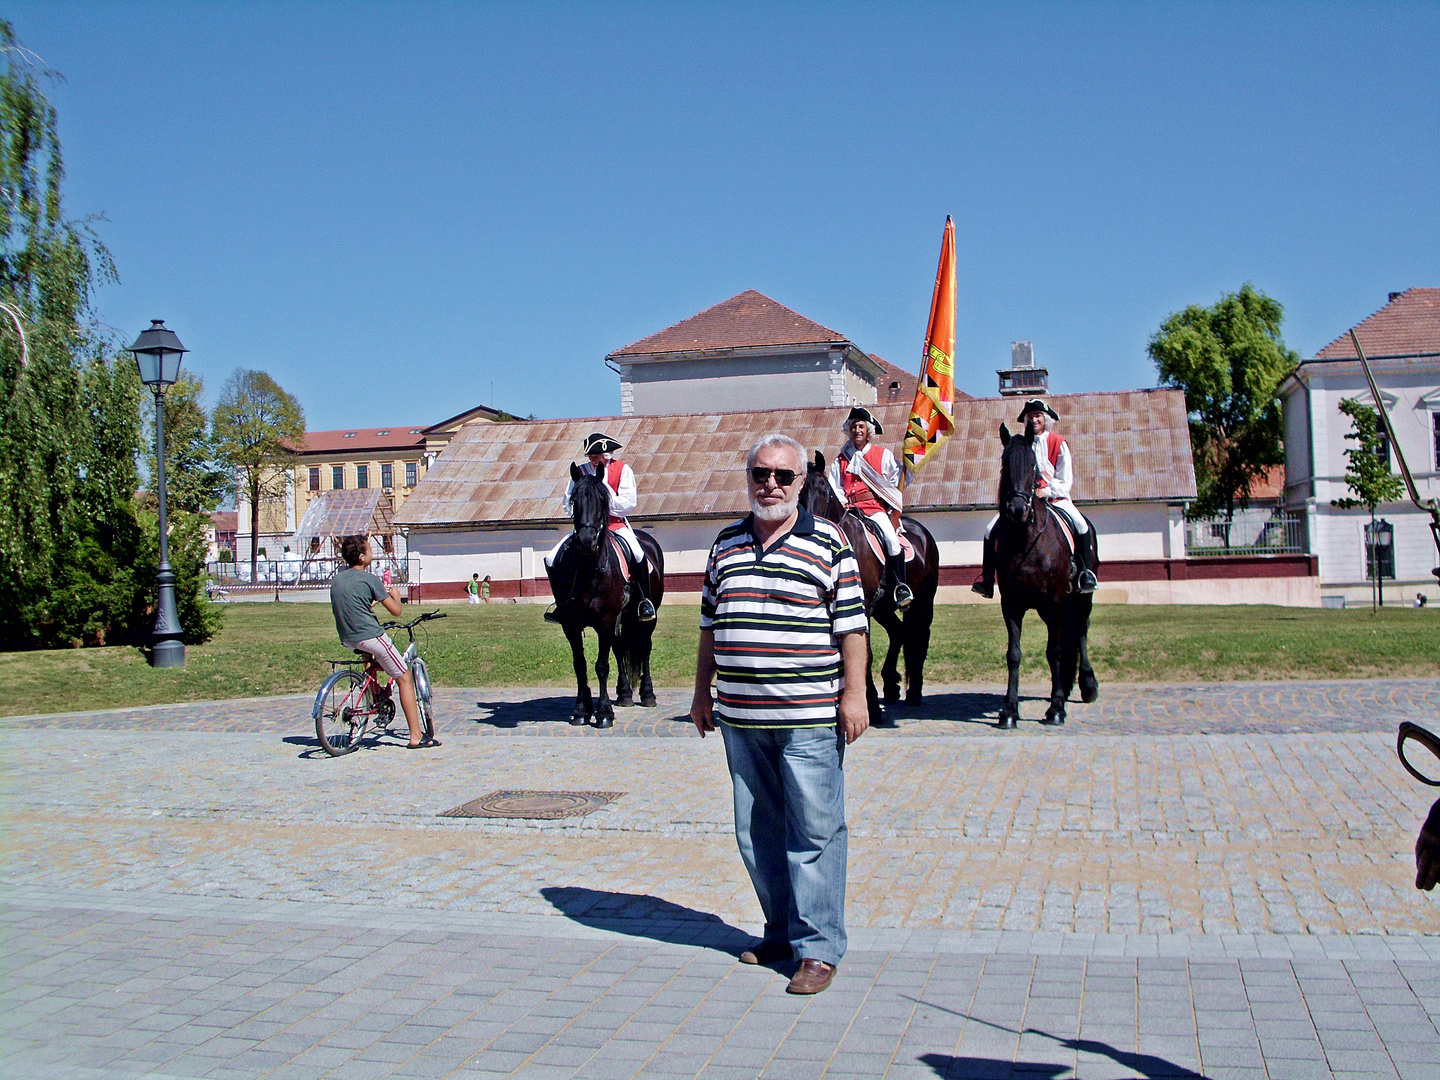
{"x": 625, "y": 532}
{"x": 1065, "y": 506}
{"x": 887, "y": 531}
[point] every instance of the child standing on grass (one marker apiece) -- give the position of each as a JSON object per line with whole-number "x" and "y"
{"x": 473, "y": 588}
{"x": 485, "y": 589}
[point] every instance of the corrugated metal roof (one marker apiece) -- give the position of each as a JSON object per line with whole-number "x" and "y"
{"x": 1128, "y": 446}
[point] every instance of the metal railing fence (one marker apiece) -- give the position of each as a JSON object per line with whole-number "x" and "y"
{"x": 1250, "y": 532}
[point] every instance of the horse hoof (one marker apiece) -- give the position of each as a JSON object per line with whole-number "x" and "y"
{"x": 1006, "y": 722}
{"x": 647, "y": 701}
{"x": 914, "y": 697}
{"x": 1053, "y": 719}
{"x": 892, "y": 696}
{"x": 605, "y": 722}
{"x": 579, "y": 720}
{"x": 624, "y": 702}
{"x": 1089, "y": 691}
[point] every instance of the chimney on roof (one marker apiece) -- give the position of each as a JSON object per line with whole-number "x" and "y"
{"x": 1023, "y": 377}
{"x": 1393, "y": 295}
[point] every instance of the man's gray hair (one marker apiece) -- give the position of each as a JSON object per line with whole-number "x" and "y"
{"x": 775, "y": 439}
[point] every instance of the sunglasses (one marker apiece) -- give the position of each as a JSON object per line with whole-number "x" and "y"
{"x": 784, "y": 477}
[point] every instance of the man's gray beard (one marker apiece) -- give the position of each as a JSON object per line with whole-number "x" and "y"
{"x": 778, "y": 512}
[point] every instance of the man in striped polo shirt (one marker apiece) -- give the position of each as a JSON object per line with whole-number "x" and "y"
{"x": 781, "y": 613}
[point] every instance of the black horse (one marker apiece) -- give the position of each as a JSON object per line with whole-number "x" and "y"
{"x": 1032, "y": 568}
{"x": 588, "y": 583}
{"x": 909, "y": 630}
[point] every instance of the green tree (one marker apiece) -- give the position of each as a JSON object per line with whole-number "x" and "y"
{"x": 70, "y": 539}
{"x": 1368, "y": 475}
{"x": 194, "y": 481}
{"x": 256, "y": 426}
{"x": 1229, "y": 359}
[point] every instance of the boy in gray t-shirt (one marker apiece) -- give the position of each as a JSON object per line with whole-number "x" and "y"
{"x": 353, "y": 593}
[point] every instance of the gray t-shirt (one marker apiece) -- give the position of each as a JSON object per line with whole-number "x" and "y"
{"x": 351, "y": 594}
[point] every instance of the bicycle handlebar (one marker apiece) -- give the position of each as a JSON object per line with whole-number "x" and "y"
{"x": 423, "y": 618}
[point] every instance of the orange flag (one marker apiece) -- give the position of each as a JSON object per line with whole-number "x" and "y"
{"x": 932, "y": 416}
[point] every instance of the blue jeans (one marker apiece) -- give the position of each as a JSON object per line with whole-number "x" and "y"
{"x": 790, "y": 826}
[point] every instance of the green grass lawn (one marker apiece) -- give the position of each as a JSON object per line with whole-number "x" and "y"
{"x": 282, "y": 648}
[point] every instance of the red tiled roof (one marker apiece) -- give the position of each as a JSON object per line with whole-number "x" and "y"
{"x": 1130, "y": 446}
{"x": 749, "y": 320}
{"x": 224, "y": 520}
{"x": 1271, "y": 485}
{"x": 1406, "y": 326}
{"x": 889, "y": 373}
{"x": 404, "y": 437}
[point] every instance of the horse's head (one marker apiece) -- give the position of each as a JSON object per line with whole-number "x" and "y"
{"x": 1017, "y": 478}
{"x": 817, "y": 496}
{"x": 589, "y": 508}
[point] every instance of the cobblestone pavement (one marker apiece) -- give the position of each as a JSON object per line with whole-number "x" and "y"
{"x": 1124, "y": 897}
{"x": 1166, "y": 709}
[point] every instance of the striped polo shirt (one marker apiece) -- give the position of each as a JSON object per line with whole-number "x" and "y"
{"x": 777, "y": 617}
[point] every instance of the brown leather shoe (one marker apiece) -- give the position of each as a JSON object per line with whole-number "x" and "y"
{"x": 767, "y": 952}
{"x": 813, "y": 976}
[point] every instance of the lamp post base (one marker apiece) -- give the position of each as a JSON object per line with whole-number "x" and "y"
{"x": 168, "y": 654}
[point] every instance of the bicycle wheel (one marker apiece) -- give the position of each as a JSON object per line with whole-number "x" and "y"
{"x": 343, "y": 709}
{"x": 422, "y": 698}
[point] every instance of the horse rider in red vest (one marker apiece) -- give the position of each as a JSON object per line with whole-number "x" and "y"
{"x": 1055, "y": 474}
{"x": 619, "y": 479}
{"x": 866, "y": 476}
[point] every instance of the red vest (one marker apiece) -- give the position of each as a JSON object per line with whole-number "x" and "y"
{"x": 613, "y": 468}
{"x": 857, "y": 492}
{"x": 1053, "y": 443}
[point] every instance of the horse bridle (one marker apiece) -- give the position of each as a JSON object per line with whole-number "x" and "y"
{"x": 1426, "y": 739}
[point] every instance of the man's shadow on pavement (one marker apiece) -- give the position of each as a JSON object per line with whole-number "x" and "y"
{"x": 640, "y": 915}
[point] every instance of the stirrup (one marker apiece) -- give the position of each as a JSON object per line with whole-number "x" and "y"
{"x": 1086, "y": 583}
{"x": 552, "y": 613}
{"x": 645, "y": 611}
{"x": 983, "y": 587}
{"x": 903, "y": 596}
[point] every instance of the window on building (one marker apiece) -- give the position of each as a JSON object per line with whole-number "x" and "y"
{"x": 387, "y": 475}
{"x": 337, "y": 477}
{"x": 362, "y": 476}
{"x": 1382, "y": 449}
{"x": 411, "y": 469}
{"x": 1435, "y": 419}
{"x": 314, "y": 477}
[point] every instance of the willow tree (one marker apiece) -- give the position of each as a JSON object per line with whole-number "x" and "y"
{"x": 69, "y": 410}
{"x": 1229, "y": 359}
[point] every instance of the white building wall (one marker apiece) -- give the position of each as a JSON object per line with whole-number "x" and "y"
{"x": 1315, "y": 471}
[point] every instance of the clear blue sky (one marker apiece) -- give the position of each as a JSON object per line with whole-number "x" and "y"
{"x": 391, "y": 207}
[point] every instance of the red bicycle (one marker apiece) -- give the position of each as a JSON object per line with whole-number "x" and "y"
{"x": 351, "y": 700}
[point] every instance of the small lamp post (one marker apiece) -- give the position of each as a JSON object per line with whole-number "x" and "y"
{"x": 1384, "y": 546}
{"x": 157, "y": 355}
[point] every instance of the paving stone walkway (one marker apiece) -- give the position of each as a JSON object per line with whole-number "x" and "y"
{"x": 1157, "y": 709}
{"x": 1212, "y": 881}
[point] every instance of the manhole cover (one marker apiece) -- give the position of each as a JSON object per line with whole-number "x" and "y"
{"x": 542, "y": 805}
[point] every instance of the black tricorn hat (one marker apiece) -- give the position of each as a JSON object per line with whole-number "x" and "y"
{"x": 1036, "y": 405}
{"x": 859, "y": 412}
{"x": 597, "y": 442}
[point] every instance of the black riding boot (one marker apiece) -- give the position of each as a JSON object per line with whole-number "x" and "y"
{"x": 1087, "y": 555}
{"x": 640, "y": 582}
{"x": 895, "y": 581}
{"x": 985, "y": 583}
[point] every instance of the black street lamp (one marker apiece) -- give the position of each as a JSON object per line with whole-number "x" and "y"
{"x": 157, "y": 355}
